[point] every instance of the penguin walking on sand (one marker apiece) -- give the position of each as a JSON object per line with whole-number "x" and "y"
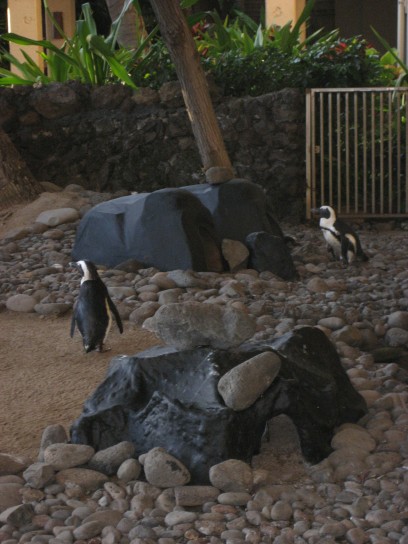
{"x": 342, "y": 241}
{"x": 93, "y": 309}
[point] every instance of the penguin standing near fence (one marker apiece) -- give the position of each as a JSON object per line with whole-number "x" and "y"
{"x": 342, "y": 241}
{"x": 94, "y": 309}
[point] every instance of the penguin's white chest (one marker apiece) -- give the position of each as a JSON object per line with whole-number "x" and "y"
{"x": 332, "y": 240}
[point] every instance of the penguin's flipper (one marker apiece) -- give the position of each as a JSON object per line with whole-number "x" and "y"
{"x": 360, "y": 253}
{"x": 73, "y": 323}
{"x": 115, "y": 312}
{"x": 345, "y": 248}
{"x": 330, "y": 250}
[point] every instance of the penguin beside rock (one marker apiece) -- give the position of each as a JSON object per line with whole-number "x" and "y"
{"x": 93, "y": 309}
{"x": 342, "y": 241}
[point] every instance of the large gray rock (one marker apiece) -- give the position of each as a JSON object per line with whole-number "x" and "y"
{"x": 169, "y": 399}
{"x": 167, "y": 229}
{"x": 186, "y": 325}
{"x": 238, "y": 207}
{"x": 270, "y": 252}
{"x": 175, "y": 228}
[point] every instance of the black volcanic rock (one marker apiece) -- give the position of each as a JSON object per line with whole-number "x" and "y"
{"x": 168, "y": 398}
{"x": 270, "y": 252}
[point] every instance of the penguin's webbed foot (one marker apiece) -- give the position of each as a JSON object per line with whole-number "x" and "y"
{"x": 102, "y": 349}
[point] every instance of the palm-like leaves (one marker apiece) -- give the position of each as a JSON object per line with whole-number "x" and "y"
{"x": 86, "y": 57}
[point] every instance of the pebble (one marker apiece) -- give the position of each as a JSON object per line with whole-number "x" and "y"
{"x": 358, "y": 494}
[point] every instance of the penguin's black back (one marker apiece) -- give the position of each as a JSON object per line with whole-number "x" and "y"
{"x": 91, "y": 312}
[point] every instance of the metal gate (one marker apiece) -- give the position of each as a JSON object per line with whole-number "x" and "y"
{"x": 356, "y": 151}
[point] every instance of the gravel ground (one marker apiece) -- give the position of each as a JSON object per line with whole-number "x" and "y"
{"x": 358, "y": 494}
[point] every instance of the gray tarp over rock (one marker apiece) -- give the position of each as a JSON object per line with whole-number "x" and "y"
{"x": 174, "y": 228}
{"x": 238, "y": 208}
{"x": 169, "y": 229}
{"x": 168, "y": 398}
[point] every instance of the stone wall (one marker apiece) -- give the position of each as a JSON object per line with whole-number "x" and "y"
{"x": 110, "y": 138}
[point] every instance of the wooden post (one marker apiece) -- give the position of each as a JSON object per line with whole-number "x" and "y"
{"x": 177, "y": 36}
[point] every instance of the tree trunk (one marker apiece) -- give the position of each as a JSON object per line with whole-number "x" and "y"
{"x": 180, "y": 43}
{"x": 17, "y": 184}
{"x": 132, "y": 29}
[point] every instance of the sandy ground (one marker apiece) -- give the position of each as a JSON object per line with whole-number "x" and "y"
{"x": 45, "y": 377}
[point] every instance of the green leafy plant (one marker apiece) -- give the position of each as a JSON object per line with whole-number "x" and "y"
{"x": 86, "y": 56}
{"x": 332, "y": 61}
{"x": 243, "y": 34}
{"x": 393, "y": 62}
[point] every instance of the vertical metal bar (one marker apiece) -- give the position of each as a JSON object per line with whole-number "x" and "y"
{"x": 338, "y": 128}
{"x": 373, "y": 168}
{"x": 406, "y": 155}
{"x": 365, "y": 145}
{"x": 390, "y": 167}
{"x": 322, "y": 149}
{"x": 347, "y": 149}
{"x": 356, "y": 157}
{"x": 398, "y": 158}
{"x": 381, "y": 136}
{"x": 330, "y": 154}
{"x": 310, "y": 184}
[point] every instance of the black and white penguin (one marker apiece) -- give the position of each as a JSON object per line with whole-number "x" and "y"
{"x": 93, "y": 308}
{"x": 342, "y": 241}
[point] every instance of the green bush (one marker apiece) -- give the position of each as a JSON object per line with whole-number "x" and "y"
{"x": 329, "y": 62}
{"x": 335, "y": 62}
{"x": 155, "y": 68}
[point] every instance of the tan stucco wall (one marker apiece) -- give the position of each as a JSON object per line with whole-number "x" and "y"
{"x": 25, "y": 18}
{"x": 279, "y": 12}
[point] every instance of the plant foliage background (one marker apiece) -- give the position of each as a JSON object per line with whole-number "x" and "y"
{"x": 242, "y": 56}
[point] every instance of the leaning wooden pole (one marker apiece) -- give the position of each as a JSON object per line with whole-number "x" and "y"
{"x": 17, "y": 184}
{"x": 179, "y": 41}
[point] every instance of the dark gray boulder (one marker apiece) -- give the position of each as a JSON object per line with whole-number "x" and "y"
{"x": 168, "y": 229}
{"x": 168, "y": 398}
{"x": 174, "y": 228}
{"x": 270, "y": 252}
{"x": 238, "y": 208}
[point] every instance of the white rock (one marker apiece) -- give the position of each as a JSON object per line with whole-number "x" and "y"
{"x": 52, "y": 218}
{"x": 244, "y": 384}
{"x": 62, "y": 456}
{"x": 163, "y": 470}
{"x": 21, "y": 303}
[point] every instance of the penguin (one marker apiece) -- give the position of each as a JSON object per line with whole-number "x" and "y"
{"x": 93, "y": 308}
{"x": 342, "y": 241}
